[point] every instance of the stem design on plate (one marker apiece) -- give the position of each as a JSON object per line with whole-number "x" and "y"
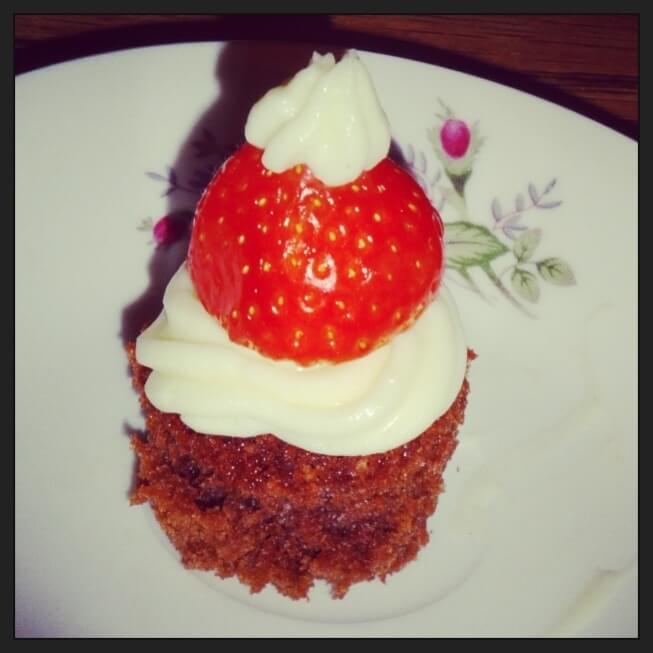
{"x": 471, "y": 245}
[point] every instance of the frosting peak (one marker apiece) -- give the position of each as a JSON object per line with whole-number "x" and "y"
{"x": 327, "y": 117}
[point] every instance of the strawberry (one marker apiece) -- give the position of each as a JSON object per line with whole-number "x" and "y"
{"x": 303, "y": 271}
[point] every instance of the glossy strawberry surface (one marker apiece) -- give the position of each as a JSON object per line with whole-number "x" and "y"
{"x": 299, "y": 270}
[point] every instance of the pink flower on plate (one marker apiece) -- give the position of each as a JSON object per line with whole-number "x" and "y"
{"x": 455, "y": 137}
{"x": 167, "y": 229}
{"x": 455, "y": 143}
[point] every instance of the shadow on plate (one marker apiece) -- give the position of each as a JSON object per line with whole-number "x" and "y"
{"x": 244, "y": 72}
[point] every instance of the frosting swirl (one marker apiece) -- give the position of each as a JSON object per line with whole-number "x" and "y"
{"x": 369, "y": 405}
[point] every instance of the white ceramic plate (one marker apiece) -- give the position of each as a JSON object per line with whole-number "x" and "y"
{"x": 536, "y": 533}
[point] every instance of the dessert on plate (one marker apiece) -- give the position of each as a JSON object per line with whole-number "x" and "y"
{"x": 305, "y": 382}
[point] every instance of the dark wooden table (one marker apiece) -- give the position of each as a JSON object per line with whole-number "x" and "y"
{"x": 588, "y": 63}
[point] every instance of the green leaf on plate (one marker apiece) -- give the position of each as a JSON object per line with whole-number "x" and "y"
{"x": 556, "y": 271}
{"x": 526, "y": 244}
{"x": 525, "y": 284}
{"x": 468, "y": 244}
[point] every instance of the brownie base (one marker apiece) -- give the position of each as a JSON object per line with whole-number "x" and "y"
{"x": 272, "y": 513}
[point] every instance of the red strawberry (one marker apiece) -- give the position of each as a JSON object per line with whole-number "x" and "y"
{"x": 300, "y": 270}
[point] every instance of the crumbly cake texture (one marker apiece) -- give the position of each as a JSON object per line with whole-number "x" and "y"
{"x": 269, "y": 512}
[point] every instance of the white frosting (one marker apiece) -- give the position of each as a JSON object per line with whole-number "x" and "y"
{"x": 368, "y": 405}
{"x": 327, "y": 117}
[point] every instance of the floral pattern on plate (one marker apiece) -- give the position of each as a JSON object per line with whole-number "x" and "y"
{"x": 470, "y": 244}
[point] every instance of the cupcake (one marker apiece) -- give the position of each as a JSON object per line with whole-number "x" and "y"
{"x": 305, "y": 382}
